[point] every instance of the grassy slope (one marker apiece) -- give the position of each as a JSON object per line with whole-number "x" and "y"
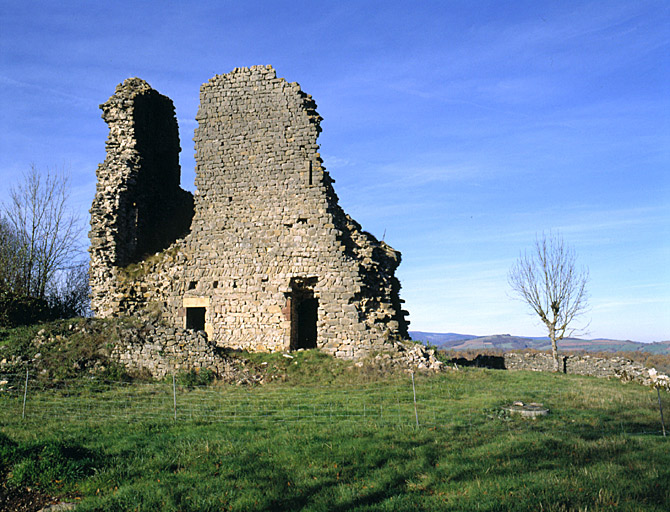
{"x": 599, "y": 449}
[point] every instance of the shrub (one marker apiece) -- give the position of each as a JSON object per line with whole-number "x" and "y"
{"x": 18, "y": 310}
{"x": 192, "y": 378}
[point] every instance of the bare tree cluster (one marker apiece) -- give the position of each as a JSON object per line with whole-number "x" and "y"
{"x": 11, "y": 257}
{"x": 548, "y": 280}
{"x": 40, "y": 253}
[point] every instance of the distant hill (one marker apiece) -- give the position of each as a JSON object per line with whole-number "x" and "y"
{"x": 454, "y": 341}
{"x": 658, "y": 347}
{"x": 440, "y": 339}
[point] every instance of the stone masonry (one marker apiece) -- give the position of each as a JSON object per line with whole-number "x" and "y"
{"x": 579, "y": 364}
{"x": 138, "y": 207}
{"x": 162, "y": 350}
{"x": 262, "y": 258}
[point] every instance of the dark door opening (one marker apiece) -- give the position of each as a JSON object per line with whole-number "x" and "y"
{"x": 307, "y": 311}
{"x": 304, "y": 308}
{"x": 195, "y": 318}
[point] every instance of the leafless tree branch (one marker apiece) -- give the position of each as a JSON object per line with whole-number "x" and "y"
{"x": 43, "y": 228}
{"x": 548, "y": 280}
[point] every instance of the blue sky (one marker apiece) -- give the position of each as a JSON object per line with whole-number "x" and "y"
{"x": 456, "y": 130}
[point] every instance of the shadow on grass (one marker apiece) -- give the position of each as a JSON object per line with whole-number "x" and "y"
{"x": 52, "y": 465}
{"x": 387, "y": 472}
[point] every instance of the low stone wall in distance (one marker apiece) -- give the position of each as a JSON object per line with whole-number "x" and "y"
{"x": 618, "y": 367}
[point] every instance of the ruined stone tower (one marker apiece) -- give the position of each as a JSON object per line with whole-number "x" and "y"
{"x": 264, "y": 259}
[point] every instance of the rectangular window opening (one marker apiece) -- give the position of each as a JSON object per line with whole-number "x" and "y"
{"x": 192, "y": 285}
{"x": 195, "y": 318}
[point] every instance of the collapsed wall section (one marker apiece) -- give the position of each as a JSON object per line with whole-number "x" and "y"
{"x": 139, "y": 208}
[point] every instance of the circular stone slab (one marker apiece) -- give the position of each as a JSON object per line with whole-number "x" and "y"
{"x": 532, "y": 410}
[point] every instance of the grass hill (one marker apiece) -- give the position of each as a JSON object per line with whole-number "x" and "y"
{"x": 658, "y": 347}
{"x": 452, "y": 341}
{"x": 441, "y": 339}
{"x": 327, "y": 434}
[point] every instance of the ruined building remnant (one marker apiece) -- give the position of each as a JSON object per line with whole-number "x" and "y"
{"x": 261, "y": 257}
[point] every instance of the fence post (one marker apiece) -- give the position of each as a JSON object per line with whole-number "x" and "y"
{"x": 174, "y": 397}
{"x": 25, "y": 395}
{"x": 416, "y": 413}
{"x": 660, "y": 408}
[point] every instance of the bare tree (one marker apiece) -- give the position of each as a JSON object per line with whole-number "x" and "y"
{"x": 548, "y": 280}
{"x": 12, "y": 258}
{"x": 69, "y": 293}
{"x": 44, "y": 229}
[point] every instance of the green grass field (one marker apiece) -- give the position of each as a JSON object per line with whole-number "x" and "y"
{"x": 329, "y": 436}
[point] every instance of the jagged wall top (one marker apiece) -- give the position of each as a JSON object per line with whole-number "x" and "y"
{"x": 259, "y": 74}
{"x": 128, "y": 89}
{"x": 139, "y": 207}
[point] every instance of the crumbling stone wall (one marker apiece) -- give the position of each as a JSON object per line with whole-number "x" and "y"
{"x": 618, "y": 367}
{"x": 161, "y": 350}
{"x": 139, "y": 208}
{"x": 270, "y": 262}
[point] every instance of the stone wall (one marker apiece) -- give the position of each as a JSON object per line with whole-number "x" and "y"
{"x": 139, "y": 208}
{"x": 161, "y": 350}
{"x": 617, "y": 367}
{"x": 270, "y": 262}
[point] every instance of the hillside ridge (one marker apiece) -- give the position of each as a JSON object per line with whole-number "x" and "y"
{"x": 455, "y": 341}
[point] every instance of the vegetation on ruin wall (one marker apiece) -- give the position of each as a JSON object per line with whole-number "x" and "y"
{"x": 62, "y": 350}
{"x": 141, "y": 269}
{"x": 599, "y": 449}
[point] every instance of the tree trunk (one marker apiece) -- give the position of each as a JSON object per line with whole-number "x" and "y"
{"x": 554, "y": 350}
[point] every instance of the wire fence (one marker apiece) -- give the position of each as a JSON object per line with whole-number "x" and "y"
{"x": 413, "y": 402}
{"x": 99, "y": 399}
